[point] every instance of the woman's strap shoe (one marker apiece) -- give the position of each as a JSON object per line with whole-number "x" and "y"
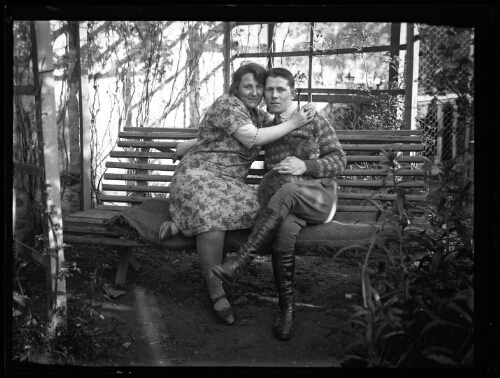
{"x": 225, "y": 315}
{"x": 165, "y": 230}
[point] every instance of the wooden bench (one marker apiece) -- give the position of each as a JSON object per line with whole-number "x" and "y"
{"x": 142, "y": 172}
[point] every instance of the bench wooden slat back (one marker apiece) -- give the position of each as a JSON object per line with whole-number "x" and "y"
{"x": 135, "y": 175}
{"x": 144, "y": 172}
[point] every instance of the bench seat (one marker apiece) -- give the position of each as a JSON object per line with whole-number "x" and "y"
{"x": 136, "y": 172}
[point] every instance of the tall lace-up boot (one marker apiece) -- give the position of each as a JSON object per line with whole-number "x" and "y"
{"x": 262, "y": 234}
{"x": 284, "y": 273}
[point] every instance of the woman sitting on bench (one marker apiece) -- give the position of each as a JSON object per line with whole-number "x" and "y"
{"x": 208, "y": 193}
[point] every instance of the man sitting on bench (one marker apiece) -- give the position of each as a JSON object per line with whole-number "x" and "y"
{"x": 303, "y": 165}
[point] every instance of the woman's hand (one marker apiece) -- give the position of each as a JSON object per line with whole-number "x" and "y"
{"x": 310, "y": 106}
{"x": 302, "y": 117}
{"x": 183, "y": 148}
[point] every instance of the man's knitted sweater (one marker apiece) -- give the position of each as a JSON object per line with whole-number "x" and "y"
{"x": 331, "y": 160}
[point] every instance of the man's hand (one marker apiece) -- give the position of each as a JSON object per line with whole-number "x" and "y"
{"x": 291, "y": 166}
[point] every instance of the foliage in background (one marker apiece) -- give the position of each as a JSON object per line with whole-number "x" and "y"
{"x": 420, "y": 307}
{"x": 86, "y": 336}
{"x": 445, "y": 64}
{"x": 25, "y": 141}
{"x": 154, "y": 73}
{"x": 420, "y": 311}
{"x": 372, "y": 111}
{"x": 142, "y": 74}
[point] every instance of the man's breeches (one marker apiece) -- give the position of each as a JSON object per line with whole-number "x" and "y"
{"x": 305, "y": 202}
{"x": 309, "y": 200}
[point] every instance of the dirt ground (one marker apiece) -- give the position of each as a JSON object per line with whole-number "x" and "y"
{"x": 166, "y": 319}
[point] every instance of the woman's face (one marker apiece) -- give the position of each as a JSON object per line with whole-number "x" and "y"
{"x": 250, "y": 92}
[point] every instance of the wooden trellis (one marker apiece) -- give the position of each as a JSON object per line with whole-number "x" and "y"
{"x": 404, "y": 44}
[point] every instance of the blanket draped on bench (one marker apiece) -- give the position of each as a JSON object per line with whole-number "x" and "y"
{"x": 141, "y": 222}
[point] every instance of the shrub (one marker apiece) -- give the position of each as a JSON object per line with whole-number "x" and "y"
{"x": 84, "y": 336}
{"x": 419, "y": 311}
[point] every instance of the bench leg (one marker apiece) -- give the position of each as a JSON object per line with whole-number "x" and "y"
{"x": 134, "y": 263}
{"x": 121, "y": 273}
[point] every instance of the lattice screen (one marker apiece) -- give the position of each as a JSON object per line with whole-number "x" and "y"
{"x": 435, "y": 115}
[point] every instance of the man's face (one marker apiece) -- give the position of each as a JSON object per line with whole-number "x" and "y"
{"x": 278, "y": 94}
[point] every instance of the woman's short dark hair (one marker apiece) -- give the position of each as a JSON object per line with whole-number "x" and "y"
{"x": 258, "y": 72}
{"x": 282, "y": 72}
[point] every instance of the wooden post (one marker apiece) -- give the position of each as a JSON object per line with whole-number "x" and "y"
{"x": 121, "y": 273}
{"x": 194, "y": 52}
{"x": 398, "y": 36}
{"x": 271, "y": 45}
{"x": 227, "y": 56}
{"x": 411, "y": 84}
{"x": 86, "y": 188}
{"x": 311, "y": 49}
{"x": 72, "y": 129}
{"x": 142, "y": 160}
{"x": 411, "y": 80}
{"x": 467, "y": 142}
{"x": 454, "y": 149}
{"x": 440, "y": 123}
{"x": 400, "y": 66}
{"x": 57, "y": 302}
{"x": 394, "y": 51}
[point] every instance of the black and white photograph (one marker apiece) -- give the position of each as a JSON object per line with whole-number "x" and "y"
{"x": 268, "y": 188}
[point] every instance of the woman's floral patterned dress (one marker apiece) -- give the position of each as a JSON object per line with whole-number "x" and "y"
{"x": 208, "y": 191}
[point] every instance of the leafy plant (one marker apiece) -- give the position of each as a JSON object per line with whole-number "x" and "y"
{"x": 84, "y": 337}
{"x": 420, "y": 310}
{"x": 85, "y": 334}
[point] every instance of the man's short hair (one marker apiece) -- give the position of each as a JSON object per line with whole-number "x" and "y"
{"x": 282, "y": 72}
